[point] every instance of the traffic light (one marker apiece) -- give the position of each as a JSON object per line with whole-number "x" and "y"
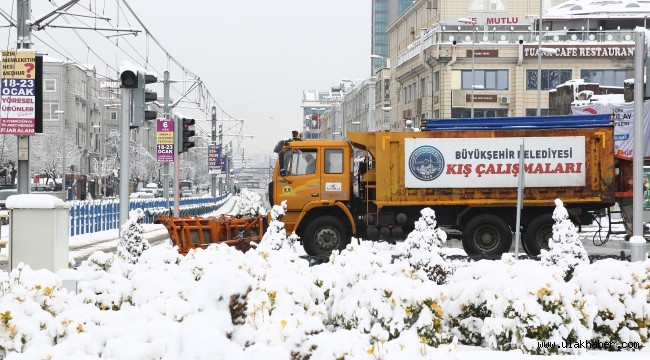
{"x": 137, "y": 81}
{"x": 187, "y": 131}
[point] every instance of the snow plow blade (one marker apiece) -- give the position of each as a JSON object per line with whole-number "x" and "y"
{"x": 195, "y": 232}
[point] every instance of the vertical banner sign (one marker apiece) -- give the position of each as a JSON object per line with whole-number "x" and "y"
{"x": 164, "y": 140}
{"x": 214, "y": 152}
{"x": 224, "y": 166}
{"x": 18, "y": 89}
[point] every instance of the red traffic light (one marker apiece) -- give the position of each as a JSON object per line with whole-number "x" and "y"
{"x": 188, "y": 122}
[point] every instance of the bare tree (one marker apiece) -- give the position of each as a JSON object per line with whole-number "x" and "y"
{"x": 47, "y": 150}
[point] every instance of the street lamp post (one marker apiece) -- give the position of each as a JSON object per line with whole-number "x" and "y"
{"x": 475, "y": 87}
{"x": 539, "y": 62}
{"x": 473, "y": 23}
{"x": 384, "y": 63}
{"x": 63, "y": 150}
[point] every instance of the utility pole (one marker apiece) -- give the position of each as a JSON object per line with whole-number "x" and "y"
{"x": 213, "y": 187}
{"x": 223, "y": 153}
{"x": 24, "y": 41}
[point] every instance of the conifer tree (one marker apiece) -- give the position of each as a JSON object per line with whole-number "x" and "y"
{"x": 565, "y": 247}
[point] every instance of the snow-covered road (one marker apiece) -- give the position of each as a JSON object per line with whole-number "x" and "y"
{"x": 82, "y": 246}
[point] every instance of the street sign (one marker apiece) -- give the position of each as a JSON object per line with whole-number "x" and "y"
{"x": 214, "y": 159}
{"x": 165, "y": 140}
{"x": 18, "y": 89}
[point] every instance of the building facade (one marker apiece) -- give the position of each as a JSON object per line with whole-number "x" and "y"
{"x": 481, "y": 58}
{"x": 87, "y": 105}
{"x": 384, "y": 12}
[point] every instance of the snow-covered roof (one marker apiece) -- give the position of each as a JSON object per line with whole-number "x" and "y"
{"x": 600, "y": 9}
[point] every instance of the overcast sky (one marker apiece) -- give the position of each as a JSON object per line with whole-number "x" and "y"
{"x": 255, "y": 57}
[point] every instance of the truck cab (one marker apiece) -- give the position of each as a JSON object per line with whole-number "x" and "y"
{"x": 314, "y": 177}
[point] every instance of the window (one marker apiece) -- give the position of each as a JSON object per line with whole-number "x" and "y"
{"x": 489, "y": 79}
{"x": 303, "y": 162}
{"x": 435, "y": 82}
{"x": 113, "y": 115}
{"x": 49, "y": 85}
{"x": 423, "y": 87}
{"x": 533, "y": 112}
{"x": 334, "y": 161}
{"x": 478, "y": 113}
{"x": 550, "y": 78}
{"x": 49, "y": 108}
{"x": 487, "y": 5}
{"x": 606, "y": 77}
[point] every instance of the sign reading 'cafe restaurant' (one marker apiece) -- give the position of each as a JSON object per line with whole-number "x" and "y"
{"x": 582, "y": 51}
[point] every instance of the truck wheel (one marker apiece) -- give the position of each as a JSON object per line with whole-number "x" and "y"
{"x": 537, "y": 234}
{"x": 487, "y": 234}
{"x": 323, "y": 235}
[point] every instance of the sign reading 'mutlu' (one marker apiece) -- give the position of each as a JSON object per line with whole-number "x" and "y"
{"x": 582, "y": 51}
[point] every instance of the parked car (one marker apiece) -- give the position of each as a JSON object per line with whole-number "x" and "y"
{"x": 4, "y": 194}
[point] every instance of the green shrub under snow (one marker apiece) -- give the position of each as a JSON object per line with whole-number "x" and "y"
{"x": 622, "y": 293}
{"x": 381, "y": 292}
{"x": 513, "y": 305}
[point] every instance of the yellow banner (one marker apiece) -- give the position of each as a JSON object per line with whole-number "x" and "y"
{"x": 165, "y": 137}
{"x": 18, "y": 64}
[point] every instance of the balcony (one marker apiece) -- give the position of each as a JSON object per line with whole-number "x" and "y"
{"x": 467, "y": 36}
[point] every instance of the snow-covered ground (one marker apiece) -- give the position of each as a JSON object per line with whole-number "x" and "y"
{"x": 371, "y": 301}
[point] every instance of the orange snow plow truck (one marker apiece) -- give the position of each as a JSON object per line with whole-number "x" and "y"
{"x": 374, "y": 184}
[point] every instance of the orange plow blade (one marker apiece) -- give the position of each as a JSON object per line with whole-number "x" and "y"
{"x": 197, "y": 232}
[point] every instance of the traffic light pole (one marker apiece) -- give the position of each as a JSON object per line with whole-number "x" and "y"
{"x": 213, "y": 188}
{"x": 124, "y": 157}
{"x": 178, "y": 132}
{"x": 165, "y": 177}
{"x": 23, "y": 177}
{"x": 223, "y": 153}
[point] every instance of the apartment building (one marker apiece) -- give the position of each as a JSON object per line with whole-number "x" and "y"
{"x": 482, "y": 58}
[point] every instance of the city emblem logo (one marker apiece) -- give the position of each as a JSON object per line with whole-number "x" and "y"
{"x": 426, "y": 163}
{"x": 286, "y": 189}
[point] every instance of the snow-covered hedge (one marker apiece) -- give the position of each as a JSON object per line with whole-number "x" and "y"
{"x": 513, "y": 305}
{"x": 366, "y": 303}
{"x": 622, "y": 298}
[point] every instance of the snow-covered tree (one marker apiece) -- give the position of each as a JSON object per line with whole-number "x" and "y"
{"x": 46, "y": 151}
{"x": 422, "y": 247}
{"x": 132, "y": 242}
{"x": 565, "y": 248}
{"x": 275, "y": 237}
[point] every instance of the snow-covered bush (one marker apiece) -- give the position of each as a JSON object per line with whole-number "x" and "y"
{"x": 622, "y": 293}
{"x": 275, "y": 237}
{"x": 132, "y": 242}
{"x": 249, "y": 204}
{"x": 360, "y": 292}
{"x": 565, "y": 248}
{"x": 29, "y": 301}
{"x": 422, "y": 247}
{"x": 517, "y": 306}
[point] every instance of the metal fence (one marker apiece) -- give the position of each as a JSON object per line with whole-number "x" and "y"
{"x": 100, "y": 215}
